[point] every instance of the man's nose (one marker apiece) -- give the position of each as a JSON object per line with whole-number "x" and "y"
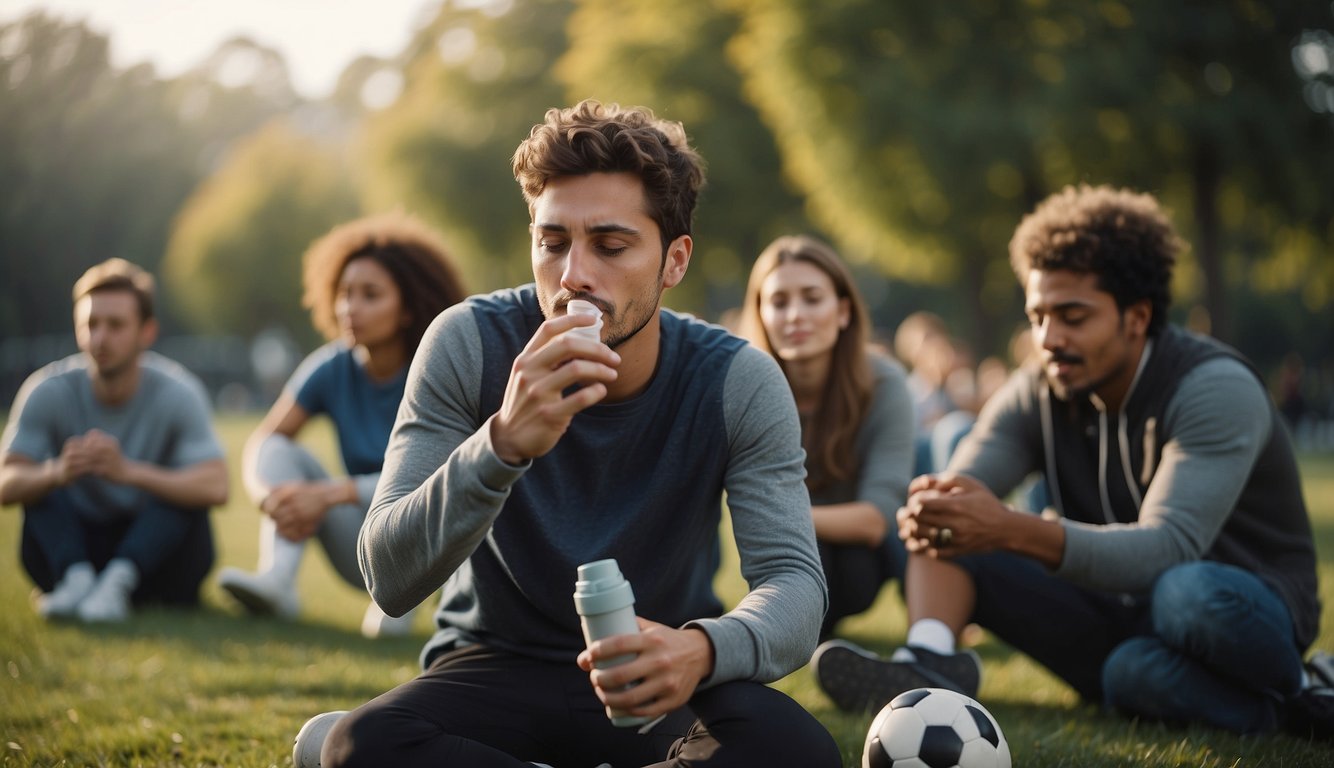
{"x": 577, "y": 277}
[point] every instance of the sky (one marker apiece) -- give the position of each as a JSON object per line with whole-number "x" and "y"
{"x": 317, "y": 38}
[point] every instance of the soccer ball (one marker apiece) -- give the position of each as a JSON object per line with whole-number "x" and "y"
{"x": 935, "y": 728}
{"x": 310, "y": 739}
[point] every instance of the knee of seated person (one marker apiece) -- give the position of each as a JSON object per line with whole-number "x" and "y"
{"x": 1132, "y": 670}
{"x": 1191, "y": 593}
{"x": 805, "y": 741}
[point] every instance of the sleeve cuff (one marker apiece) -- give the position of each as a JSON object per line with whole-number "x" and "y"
{"x": 733, "y": 650}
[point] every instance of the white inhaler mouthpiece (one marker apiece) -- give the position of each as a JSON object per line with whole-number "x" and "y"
{"x": 606, "y": 606}
{"x": 581, "y": 307}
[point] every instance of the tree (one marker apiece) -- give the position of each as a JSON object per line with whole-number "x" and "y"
{"x": 91, "y": 167}
{"x": 1204, "y": 106}
{"x": 475, "y": 79}
{"x": 234, "y": 261}
{"x": 682, "y": 72}
{"x": 96, "y": 161}
{"x": 923, "y": 133}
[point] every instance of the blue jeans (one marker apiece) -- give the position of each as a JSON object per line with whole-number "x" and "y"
{"x": 1211, "y": 643}
{"x": 171, "y": 547}
{"x": 1222, "y": 652}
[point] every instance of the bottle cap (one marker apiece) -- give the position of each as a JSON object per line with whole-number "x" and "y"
{"x": 601, "y": 588}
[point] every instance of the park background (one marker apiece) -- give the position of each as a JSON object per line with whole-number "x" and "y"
{"x": 913, "y": 136}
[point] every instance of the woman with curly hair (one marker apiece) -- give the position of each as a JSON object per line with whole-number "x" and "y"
{"x": 372, "y": 286}
{"x": 857, "y": 427}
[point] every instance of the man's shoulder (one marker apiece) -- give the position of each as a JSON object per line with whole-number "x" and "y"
{"x": 695, "y": 335}
{"x": 166, "y": 376}
{"x": 520, "y": 299}
{"x": 57, "y": 379}
{"x": 76, "y": 363}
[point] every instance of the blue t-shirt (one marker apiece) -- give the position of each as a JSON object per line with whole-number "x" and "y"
{"x": 331, "y": 381}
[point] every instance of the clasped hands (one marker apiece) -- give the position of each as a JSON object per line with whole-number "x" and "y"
{"x": 948, "y": 515}
{"x": 95, "y": 453}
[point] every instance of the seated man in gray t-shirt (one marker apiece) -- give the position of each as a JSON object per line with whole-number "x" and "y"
{"x": 112, "y": 454}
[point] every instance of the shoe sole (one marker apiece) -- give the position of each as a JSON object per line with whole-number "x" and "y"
{"x": 856, "y": 682}
{"x": 253, "y": 602}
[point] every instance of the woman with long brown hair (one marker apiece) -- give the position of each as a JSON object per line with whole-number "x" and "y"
{"x": 803, "y": 307}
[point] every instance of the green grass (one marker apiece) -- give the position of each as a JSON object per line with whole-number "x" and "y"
{"x": 211, "y": 688}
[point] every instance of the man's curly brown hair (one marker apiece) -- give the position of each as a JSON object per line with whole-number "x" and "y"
{"x": 1121, "y": 236}
{"x": 591, "y": 137}
{"x": 409, "y": 251}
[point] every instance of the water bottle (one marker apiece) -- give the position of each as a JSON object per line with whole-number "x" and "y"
{"x": 606, "y": 607}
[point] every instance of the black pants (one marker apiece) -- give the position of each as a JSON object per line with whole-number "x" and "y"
{"x": 171, "y": 547}
{"x": 485, "y": 708}
{"x": 856, "y": 574}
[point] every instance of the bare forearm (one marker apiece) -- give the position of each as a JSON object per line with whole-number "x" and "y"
{"x": 1035, "y": 537}
{"x": 27, "y": 481}
{"x": 198, "y": 485}
{"x": 854, "y": 522}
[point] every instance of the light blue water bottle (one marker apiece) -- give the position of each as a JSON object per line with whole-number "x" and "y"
{"x": 606, "y": 607}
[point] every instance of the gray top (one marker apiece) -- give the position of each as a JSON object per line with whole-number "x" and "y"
{"x": 1218, "y": 422}
{"x": 166, "y": 422}
{"x": 884, "y": 447}
{"x": 638, "y": 480}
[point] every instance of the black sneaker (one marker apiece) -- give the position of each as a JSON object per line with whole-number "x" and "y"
{"x": 857, "y": 680}
{"x": 1310, "y": 714}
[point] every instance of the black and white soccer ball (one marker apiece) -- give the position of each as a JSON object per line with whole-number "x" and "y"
{"x": 935, "y": 728}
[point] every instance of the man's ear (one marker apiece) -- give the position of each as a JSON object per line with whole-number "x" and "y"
{"x": 676, "y": 260}
{"x": 148, "y": 333}
{"x": 1137, "y": 316}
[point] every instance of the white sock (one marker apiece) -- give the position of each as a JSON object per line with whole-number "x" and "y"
{"x": 278, "y": 554}
{"x": 931, "y": 634}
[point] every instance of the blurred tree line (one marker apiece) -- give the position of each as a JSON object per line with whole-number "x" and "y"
{"x": 912, "y": 136}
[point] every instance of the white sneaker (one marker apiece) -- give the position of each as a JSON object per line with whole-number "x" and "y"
{"x": 309, "y": 740}
{"x": 63, "y": 601}
{"x": 110, "y": 599}
{"x": 377, "y": 623}
{"x": 261, "y": 593}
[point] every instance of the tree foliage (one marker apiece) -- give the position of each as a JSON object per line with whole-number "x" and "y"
{"x": 476, "y": 78}
{"x": 681, "y": 71}
{"x": 90, "y": 168}
{"x": 234, "y": 261}
{"x": 914, "y": 136}
{"x": 96, "y": 162}
{"x": 922, "y": 133}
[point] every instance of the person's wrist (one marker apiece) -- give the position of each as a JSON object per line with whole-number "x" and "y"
{"x": 501, "y": 447}
{"x": 705, "y": 656}
{"x": 56, "y": 474}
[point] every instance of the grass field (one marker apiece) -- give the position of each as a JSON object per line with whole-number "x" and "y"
{"x": 212, "y": 688}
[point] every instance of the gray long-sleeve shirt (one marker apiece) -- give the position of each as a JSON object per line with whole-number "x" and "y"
{"x": 638, "y": 480}
{"x": 1194, "y": 465}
